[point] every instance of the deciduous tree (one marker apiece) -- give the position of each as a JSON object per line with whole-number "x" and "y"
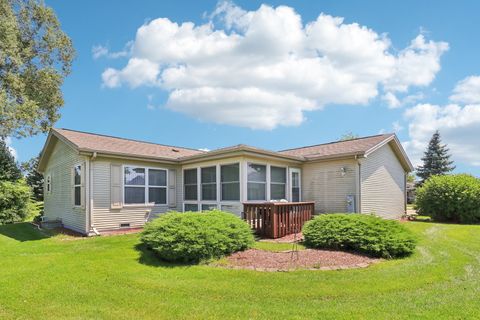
{"x": 35, "y": 57}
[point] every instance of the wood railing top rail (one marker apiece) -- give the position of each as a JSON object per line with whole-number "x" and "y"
{"x": 277, "y": 203}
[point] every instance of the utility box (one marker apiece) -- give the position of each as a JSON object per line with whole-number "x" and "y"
{"x": 350, "y": 203}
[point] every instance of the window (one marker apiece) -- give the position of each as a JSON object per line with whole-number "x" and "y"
{"x": 190, "y": 184}
{"x": 157, "y": 186}
{"x": 278, "y": 183}
{"x": 48, "y": 184}
{"x": 295, "y": 186}
{"x": 143, "y": 185}
{"x": 206, "y": 207}
{"x": 230, "y": 208}
{"x": 191, "y": 207}
{"x": 256, "y": 182}
{"x": 77, "y": 185}
{"x": 230, "y": 182}
{"x": 209, "y": 183}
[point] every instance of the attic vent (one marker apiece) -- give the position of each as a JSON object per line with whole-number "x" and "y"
{"x": 125, "y": 225}
{"x": 175, "y": 150}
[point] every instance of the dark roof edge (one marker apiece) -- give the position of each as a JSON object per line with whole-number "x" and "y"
{"x": 334, "y": 142}
{"x": 134, "y": 140}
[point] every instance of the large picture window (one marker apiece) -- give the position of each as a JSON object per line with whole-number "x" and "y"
{"x": 209, "y": 183}
{"x": 278, "y": 183}
{"x": 230, "y": 182}
{"x": 77, "y": 185}
{"x": 190, "y": 184}
{"x": 256, "y": 182}
{"x": 144, "y": 185}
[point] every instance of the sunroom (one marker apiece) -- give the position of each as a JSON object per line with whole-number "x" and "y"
{"x": 228, "y": 183}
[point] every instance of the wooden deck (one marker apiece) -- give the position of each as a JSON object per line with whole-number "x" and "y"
{"x": 277, "y": 219}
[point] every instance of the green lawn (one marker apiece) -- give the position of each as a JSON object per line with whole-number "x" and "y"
{"x": 108, "y": 277}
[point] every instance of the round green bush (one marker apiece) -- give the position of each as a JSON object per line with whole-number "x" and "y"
{"x": 197, "y": 236}
{"x": 15, "y": 201}
{"x": 360, "y": 233}
{"x": 450, "y": 198}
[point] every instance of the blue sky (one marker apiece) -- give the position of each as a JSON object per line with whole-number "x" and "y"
{"x": 289, "y": 114}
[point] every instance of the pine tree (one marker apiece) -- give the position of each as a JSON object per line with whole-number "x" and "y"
{"x": 34, "y": 178}
{"x": 436, "y": 160}
{"x": 9, "y": 170}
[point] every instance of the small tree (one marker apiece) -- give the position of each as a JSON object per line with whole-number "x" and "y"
{"x": 9, "y": 170}
{"x": 34, "y": 178}
{"x": 348, "y": 136}
{"x": 436, "y": 160}
{"x": 411, "y": 178}
{"x": 452, "y": 198}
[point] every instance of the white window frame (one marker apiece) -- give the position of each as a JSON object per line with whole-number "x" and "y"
{"x": 200, "y": 196}
{"x": 290, "y": 174}
{"x": 277, "y": 183}
{"x": 146, "y": 186}
{"x": 190, "y": 201}
{"x": 266, "y": 183}
{"x": 230, "y": 182}
{"x": 218, "y": 202}
{"x": 75, "y": 186}
{"x": 208, "y": 204}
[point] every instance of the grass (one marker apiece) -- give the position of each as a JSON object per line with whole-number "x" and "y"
{"x": 55, "y": 277}
{"x": 274, "y": 246}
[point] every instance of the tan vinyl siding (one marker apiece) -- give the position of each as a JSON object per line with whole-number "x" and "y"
{"x": 59, "y": 202}
{"x": 103, "y": 216}
{"x": 323, "y": 183}
{"x": 383, "y": 184}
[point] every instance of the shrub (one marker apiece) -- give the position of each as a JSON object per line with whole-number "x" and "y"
{"x": 450, "y": 198}
{"x": 15, "y": 203}
{"x": 196, "y": 236}
{"x": 361, "y": 233}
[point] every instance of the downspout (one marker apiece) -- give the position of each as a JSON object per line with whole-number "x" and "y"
{"x": 359, "y": 200}
{"x": 405, "y": 197}
{"x": 90, "y": 196}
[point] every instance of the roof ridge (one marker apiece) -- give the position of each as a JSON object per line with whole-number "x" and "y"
{"x": 333, "y": 142}
{"x": 135, "y": 140}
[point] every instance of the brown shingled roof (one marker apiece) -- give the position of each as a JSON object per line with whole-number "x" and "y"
{"x": 113, "y": 145}
{"x": 354, "y": 146}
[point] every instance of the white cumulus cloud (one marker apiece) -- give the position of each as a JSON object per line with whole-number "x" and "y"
{"x": 266, "y": 68}
{"x": 99, "y": 51}
{"x": 459, "y": 127}
{"x": 458, "y": 123}
{"x": 467, "y": 91}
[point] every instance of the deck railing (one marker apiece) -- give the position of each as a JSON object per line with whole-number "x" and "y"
{"x": 277, "y": 219}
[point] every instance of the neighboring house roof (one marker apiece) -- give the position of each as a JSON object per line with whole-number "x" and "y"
{"x": 114, "y": 146}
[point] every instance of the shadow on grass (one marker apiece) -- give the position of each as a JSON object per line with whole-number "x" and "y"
{"x": 149, "y": 258}
{"x": 22, "y": 232}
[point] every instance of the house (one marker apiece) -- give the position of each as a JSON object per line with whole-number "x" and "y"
{"x": 95, "y": 183}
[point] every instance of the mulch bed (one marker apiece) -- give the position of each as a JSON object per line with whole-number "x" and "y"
{"x": 309, "y": 259}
